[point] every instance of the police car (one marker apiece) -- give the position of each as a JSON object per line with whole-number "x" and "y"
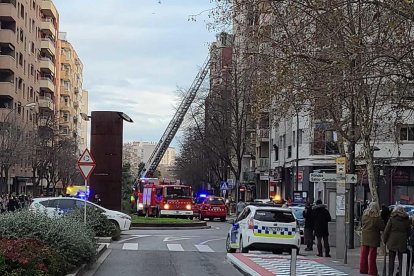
{"x": 264, "y": 228}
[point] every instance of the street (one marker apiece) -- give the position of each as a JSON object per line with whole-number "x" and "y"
{"x": 169, "y": 252}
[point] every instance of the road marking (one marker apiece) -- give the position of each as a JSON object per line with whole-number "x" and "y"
{"x": 133, "y": 238}
{"x": 130, "y": 246}
{"x": 204, "y": 242}
{"x": 169, "y": 239}
{"x": 175, "y": 247}
{"x": 204, "y": 248}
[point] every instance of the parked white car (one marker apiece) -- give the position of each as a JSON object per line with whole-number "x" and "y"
{"x": 264, "y": 228}
{"x": 57, "y": 206}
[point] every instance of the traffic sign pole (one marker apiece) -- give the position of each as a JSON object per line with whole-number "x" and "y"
{"x": 86, "y": 165}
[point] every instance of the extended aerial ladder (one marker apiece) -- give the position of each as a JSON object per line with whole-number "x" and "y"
{"x": 175, "y": 123}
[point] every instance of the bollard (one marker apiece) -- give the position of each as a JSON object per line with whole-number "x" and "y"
{"x": 293, "y": 262}
{"x": 404, "y": 264}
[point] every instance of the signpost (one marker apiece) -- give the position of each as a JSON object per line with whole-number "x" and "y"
{"x": 86, "y": 164}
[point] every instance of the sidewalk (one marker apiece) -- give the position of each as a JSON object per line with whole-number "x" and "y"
{"x": 308, "y": 264}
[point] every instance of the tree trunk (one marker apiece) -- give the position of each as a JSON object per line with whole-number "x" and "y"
{"x": 369, "y": 159}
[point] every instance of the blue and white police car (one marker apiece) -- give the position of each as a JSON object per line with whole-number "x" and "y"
{"x": 264, "y": 228}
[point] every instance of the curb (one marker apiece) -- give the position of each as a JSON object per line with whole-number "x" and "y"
{"x": 81, "y": 270}
{"x": 245, "y": 269}
{"x": 176, "y": 225}
{"x": 171, "y": 228}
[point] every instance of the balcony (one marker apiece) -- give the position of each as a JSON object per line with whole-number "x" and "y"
{"x": 324, "y": 148}
{"x": 7, "y": 62}
{"x": 46, "y": 102}
{"x": 64, "y": 90}
{"x": 8, "y": 10}
{"x": 263, "y": 135}
{"x": 46, "y": 63}
{"x": 263, "y": 164}
{"x": 47, "y": 84}
{"x": 48, "y": 45}
{"x": 7, "y": 36}
{"x": 48, "y": 8}
{"x": 47, "y": 25}
{"x": 6, "y": 88}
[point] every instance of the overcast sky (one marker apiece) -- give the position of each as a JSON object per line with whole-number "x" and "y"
{"x": 135, "y": 54}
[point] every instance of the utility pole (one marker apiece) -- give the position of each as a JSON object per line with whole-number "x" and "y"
{"x": 297, "y": 152}
{"x": 352, "y": 171}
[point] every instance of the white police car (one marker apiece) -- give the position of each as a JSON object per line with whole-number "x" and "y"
{"x": 264, "y": 228}
{"x": 57, "y": 206}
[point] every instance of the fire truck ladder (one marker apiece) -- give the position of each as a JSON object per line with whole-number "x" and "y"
{"x": 175, "y": 123}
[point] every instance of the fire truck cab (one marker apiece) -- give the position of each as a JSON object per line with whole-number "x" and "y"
{"x": 167, "y": 200}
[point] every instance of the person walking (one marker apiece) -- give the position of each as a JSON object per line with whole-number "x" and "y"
{"x": 372, "y": 225}
{"x": 396, "y": 234}
{"x": 321, "y": 217}
{"x": 307, "y": 215}
{"x": 240, "y": 207}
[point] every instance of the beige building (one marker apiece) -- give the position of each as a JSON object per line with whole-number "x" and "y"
{"x": 28, "y": 31}
{"x": 137, "y": 152}
{"x": 72, "y": 99}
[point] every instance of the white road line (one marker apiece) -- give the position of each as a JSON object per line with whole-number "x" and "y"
{"x": 170, "y": 239}
{"x": 204, "y": 242}
{"x": 130, "y": 246}
{"x": 133, "y": 238}
{"x": 175, "y": 247}
{"x": 204, "y": 248}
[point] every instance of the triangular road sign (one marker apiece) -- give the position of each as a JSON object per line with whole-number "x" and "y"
{"x": 86, "y": 169}
{"x": 86, "y": 157}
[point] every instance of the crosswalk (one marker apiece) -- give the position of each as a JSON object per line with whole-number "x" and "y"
{"x": 173, "y": 247}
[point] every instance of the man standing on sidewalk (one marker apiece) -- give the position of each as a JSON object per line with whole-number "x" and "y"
{"x": 307, "y": 214}
{"x": 321, "y": 217}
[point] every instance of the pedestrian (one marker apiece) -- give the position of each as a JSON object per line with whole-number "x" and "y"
{"x": 385, "y": 213}
{"x": 396, "y": 234}
{"x": 372, "y": 225}
{"x": 97, "y": 200}
{"x": 13, "y": 203}
{"x": 240, "y": 207}
{"x": 321, "y": 217}
{"x": 307, "y": 215}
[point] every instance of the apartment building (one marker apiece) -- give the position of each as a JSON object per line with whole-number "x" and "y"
{"x": 72, "y": 100}
{"x": 28, "y": 31}
{"x": 138, "y": 151}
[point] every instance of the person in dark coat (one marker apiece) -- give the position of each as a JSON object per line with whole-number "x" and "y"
{"x": 13, "y": 204}
{"x": 321, "y": 217}
{"x": 372, "y": 225}
{"x": 396, "y": 234}
{"x": 385, "y": 213}
{"x": 307, "y": 215}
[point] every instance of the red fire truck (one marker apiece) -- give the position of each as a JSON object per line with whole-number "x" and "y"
{"x": 164, "y": 199}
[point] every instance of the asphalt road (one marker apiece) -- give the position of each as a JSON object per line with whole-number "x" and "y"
{"x": 169, "y": 252}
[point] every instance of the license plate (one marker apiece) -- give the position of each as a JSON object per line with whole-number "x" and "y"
{"x": 276, "y": 229}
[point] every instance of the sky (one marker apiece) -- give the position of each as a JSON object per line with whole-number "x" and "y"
{"x": 136, "y": 54}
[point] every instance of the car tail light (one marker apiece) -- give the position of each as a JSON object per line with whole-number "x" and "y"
{"x": 250, "y": 224}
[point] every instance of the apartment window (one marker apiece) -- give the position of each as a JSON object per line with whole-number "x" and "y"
{"x": 31, "y": 92}
{"x": 65, "y": 117}
{"x": 21, "y": 59}
{"x": 289, "y": 152}
{"x": 19, "y": 108}
{"x": 22, "y": 11}
{"x": 300, "y": 136}
{"x": 407, "y": 133}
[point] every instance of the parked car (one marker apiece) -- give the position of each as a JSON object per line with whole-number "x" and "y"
{"x": 264, "y": 228}
{"x": 58, "y": 206}
{"x": 213, "y": 207}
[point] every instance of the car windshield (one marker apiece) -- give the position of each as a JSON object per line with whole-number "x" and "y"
{"x": 274, "y": 216}
{"x": 177, "y": 192}
{"x": 298, "y": 212}
{"x": 215, "y": 201}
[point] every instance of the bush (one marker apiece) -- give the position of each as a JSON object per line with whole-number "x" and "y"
{"x": 30, "y": 257}
{"x": 70, "y": 238}
{"x": 96, "y": 221}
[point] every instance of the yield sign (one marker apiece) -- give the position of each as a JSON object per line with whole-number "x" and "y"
{"x": 86, "y": 164}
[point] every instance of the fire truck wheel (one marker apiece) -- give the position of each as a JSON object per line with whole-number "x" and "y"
{"x": 201, "y": 217}
{"x": 222, "y": 219}
{"x": 211, "y": 219}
